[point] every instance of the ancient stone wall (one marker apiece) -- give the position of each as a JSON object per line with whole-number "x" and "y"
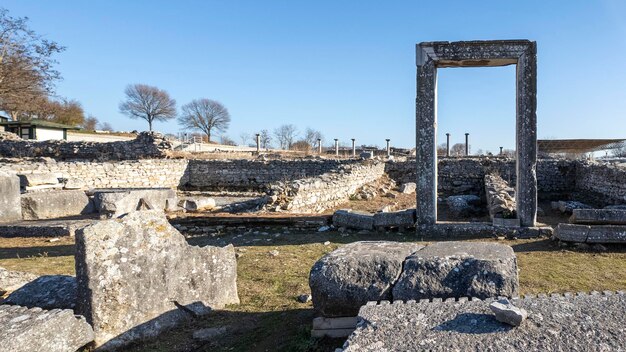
{"x": 316, "y": 194}
{"x": 456, "y": 176}
{"x": 255, "y": 175}
{"x": 146, "y": 145}
{"x": 601, "y": 183}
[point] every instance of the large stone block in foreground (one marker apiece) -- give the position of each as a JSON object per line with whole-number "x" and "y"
{"x": 353, "y": 219}
{"x": 134, "y": 271}
{"x": 10, "y": 209}
{"x": 557, "y": 323}
{"x": 55, "y": 204}
{"x": 591, "y": 233}
{"x": 459, "y": 269}
{"x": 347, "y": 278}
{"x": 37, "y": 330}
{"x": 114, "y": 203}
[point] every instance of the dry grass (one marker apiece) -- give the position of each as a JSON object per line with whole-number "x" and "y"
{"x": 269, "y": 316}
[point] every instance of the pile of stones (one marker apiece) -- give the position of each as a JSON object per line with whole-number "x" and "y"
{"x": 500, "y": 197}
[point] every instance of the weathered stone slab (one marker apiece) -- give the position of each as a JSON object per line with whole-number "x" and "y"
{"x": 598, "y": 216}
{"x": 353, "y": 219}
{"x": 590, "y": 322}
{"x": 572, "y": 233}
{"x": 10, "y": 209}
{"x": 568, "y": 206}
{"x": 114, "y": 203}
{"x": 12, "y": 280}
{"x": 43, "y": 228}
{"x": 47, "y": 292}
{"x": 459, "y": 269}
{"x": 198, "y": 204}
{"x": 464, "y": 205}
{"x": 55, "y": 204}
{"x": 347, "y": 278}
{"x": 607, "y": 234}
{"x": 38, "y": 179}
{"x": 135, "y": 272}
{"x": 37, "y": 330}
{"x": 403, "y": 218}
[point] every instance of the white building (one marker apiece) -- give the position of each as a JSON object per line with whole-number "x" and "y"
{"x": 40, "y": 130}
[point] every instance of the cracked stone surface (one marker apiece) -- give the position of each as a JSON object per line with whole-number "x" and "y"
{"x": 47, "y": 292}
{"x": 350, "y": 276}
{"x": 137, "y": 276}
{"x": 559, "y": 323}
{"x": 37, "y": 330}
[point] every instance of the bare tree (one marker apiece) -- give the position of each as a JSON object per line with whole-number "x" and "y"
{"x": 26, "y": 64}
{"x": 619, "y": 151}
{"x": 285, "y": 135}
{"x": 205, "y": 115}
{"x": 245, "y": 138}
{"x": 225, "y": 140}
{"x": 458, "y": 149}
{"x": 311, "y": 136}
{"x": 148, "y": 103}
{"x": 90, "y": 123}
{"x": 266, "y": 139}
{"x": 105, "y": 126}
{"x": 442, "y": 149}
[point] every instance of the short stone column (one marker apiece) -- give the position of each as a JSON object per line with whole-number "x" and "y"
{"x": 353, "y": 148}
{"x": 466, "y": 144}
{"x": 448, "y": 144}
{"x": 319, "y": 145}
{"x": 258, "y": 142}
{"x": 501, "y": 150}
{"x": 336, "y": 147}
{"x": 388, "y": 147}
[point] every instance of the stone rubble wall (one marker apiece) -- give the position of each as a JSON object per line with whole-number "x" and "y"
{"x": 500, "y": 197}
{"x": 601, "y": 183}
{"x": 146, "y": 145}
{"x": 458, "y": 176}
{"x": 316, "y": 194}
{"x": 256, "y": 175}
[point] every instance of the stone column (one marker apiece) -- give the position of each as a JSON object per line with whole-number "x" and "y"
{"x": 466, "y": 144}
{"x": 501, "y": 150}
{"x": 426, "y": 147}
{"x": 388, "y": 148}
{"x": 526, "y": 136}
{"x": 319, "y": 145}
{"x": 353, "y": 148}
{"x": 258, "y": 143}
{"x": 448, "y": 144}
{"x": 336, "y": 147}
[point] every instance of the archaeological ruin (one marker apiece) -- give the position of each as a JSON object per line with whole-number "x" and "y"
{"x": 132, "y": 244}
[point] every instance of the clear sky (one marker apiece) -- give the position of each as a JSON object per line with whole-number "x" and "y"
{"x": 346, "y": 68}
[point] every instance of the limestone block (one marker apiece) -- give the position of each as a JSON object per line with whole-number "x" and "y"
{"x": 459, "y": 269}
{"x": 404, "y": 218}
{"x": 408, "y": 188}
{"x": 38, "y": 179}
{"x": 598, "y": 216}
{"x": 114, "y": 203}
{"x": 36, "y": 330}
{"x": 55, "y": 204}
{"x": 47, "y": 292}
{"x": 139, "y": 263}
{"x": 347, "y": 278}
{"x": 12, "y": 280}
{"x": 463, "y": 205}
{"x": 10, "y": 209}
{"x": 571, "y": 232}
{"x": 607, "y": 234}
{"x": 353, "y": 219}
{"x": 198, "y": 204}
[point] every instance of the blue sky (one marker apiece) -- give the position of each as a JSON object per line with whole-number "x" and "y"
{"x": 346, "y": 68}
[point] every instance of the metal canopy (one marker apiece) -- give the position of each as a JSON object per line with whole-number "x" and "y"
{"x": 578, "y": 145}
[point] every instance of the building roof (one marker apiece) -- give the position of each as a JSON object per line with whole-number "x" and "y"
{"x": 578, "y": 146}
{"x": 41, "y": 123}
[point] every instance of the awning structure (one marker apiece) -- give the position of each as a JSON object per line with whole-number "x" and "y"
{"x": 578, "y": 146}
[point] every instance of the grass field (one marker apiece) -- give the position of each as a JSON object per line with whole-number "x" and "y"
{"x": 270, "y": 318}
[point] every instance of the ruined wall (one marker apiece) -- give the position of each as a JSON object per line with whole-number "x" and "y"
{"x": 457, "y": 176}
{"x": 110, "y": 174}
{"x": 255, "y": 175}
{"x": 146, "y": 145}
{"x": 316, "y": 194}
{"x": 601, "y": 183}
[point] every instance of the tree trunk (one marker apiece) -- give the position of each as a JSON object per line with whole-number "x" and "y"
{"x": 208, "y": 137}
{"x": 150, "y": 124}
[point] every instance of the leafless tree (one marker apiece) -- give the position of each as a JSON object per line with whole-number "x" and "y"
{"x": 620, "y": 151}
{"x": 311, "y": 136}
{"x": 90, "y": 123}
{"x": 105, "y": 126}
{"x": 205, "y": 115}
{"x": 442, "y": 149}
{"x": 457, "y": 149}
{"x": 225, "y": 140}
{"x": 285, "y": 135}
{"x": 266, "y": 139}
{"x": 245, "y": 138}
{"x": 148, "y": 103}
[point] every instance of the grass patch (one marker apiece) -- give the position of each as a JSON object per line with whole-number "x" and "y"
{"x": 270, "y": 318}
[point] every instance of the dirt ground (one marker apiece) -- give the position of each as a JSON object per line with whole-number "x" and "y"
{"x": 270, "y": 318}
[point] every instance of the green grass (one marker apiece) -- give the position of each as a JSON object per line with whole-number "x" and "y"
{"x": 270, "y": 318}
